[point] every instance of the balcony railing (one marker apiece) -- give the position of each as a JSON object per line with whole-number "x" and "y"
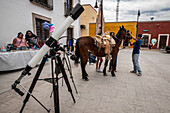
{"x": 45, "y": 3}
{"x": 67, "y": 9}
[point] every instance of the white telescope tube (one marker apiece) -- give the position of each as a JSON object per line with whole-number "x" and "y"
{"x": 36, "y": 59}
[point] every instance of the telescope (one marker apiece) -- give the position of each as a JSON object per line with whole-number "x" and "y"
{"x": 51, "y": 42}
{"x": 52, "y": 45}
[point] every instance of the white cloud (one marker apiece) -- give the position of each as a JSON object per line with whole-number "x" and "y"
{"x": 128, "y": 9}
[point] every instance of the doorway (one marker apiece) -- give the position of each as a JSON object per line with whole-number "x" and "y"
{"x": 162, "y": 42}
{"x": 145, "y": 41}
{"x": 70, "y": 40}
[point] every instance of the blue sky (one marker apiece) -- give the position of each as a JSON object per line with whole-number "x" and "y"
{"x": 159, "y": 9}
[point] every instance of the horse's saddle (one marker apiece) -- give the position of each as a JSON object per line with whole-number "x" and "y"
{"x": 106, "y": 42}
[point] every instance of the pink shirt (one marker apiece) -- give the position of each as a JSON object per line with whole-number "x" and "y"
{"x": 20, "y": 42}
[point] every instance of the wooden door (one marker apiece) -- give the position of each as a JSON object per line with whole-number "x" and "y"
{"x": 162, "y": 42}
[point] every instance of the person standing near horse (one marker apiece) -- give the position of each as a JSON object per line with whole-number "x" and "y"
{"x": 98, "y": 64}
{"x": 135, "y": 54}
{"x": 112, "y": 34}
{"x": 99, "y": 61}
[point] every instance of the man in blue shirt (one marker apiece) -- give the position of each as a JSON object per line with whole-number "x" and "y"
{"x": 135, "y": 55}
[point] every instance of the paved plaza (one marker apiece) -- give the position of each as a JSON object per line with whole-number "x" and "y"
{"x": 125, "y": 93}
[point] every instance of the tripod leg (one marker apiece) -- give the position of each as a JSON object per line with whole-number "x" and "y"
{"x": 34, "y": 82}
{"x": 62, "y": 82}
{"x": 63, "y": 65}
{"x": 51, "y": 93}
{"x": 65, "y": 77}
{"x": 69, "y": 69}
{"x": 55, "y": 87}
{"x": 48, "y": 110}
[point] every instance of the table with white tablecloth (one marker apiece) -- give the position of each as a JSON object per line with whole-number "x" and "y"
{"x": 15, "y": 60}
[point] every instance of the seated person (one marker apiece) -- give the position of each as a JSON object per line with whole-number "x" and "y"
{"x": 32, "y": 39}
{"x": 71, "y": 45}
{"x": 40, "y": 43}
{"x": 19, "y": 41}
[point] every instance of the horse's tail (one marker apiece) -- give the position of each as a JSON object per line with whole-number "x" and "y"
{"x": 77, "y": 52}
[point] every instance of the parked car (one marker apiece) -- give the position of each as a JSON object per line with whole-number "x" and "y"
{"x": 168, "y": 49}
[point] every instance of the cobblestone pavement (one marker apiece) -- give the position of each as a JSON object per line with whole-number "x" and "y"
{"x": 126, "y": 93}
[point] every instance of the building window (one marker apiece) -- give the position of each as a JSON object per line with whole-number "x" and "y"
{"x": 48, "y": 4}
{"x": 68, "y": 5}
{"x": 38, "y": 21}
{"x": 42, "y": 33}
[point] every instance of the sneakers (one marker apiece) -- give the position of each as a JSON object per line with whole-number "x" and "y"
{"x": 91, "y": 63}
{"x": 99, "y": 70}
{"x": 139, "y": 74}
{"x": 132, "y": 71}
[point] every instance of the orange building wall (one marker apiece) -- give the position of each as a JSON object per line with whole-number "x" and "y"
{"x": 114, "y": 26}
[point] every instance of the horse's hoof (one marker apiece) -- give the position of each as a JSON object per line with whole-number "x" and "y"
{"x": 105, "y": 74}
{"x": 113, "y": 75}
{"x": 86, "y": 79}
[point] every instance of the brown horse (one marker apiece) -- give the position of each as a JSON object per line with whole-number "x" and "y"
{"x": 86, "y": 45}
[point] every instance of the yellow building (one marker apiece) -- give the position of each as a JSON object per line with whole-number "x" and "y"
{"x": 88, "y": 16}
{"x": 114, "y": 26}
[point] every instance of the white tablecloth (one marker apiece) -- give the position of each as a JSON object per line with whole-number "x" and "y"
{"x": 15, "y": 60}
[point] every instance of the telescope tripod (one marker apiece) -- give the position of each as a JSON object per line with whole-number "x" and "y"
{"x": 54, "y": 60}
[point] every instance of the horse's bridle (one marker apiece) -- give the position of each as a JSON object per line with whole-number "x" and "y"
{"x": 119, "y": 39}
{"x": 127, "y": 37}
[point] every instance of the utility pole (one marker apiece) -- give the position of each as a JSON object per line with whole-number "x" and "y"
{"x": 101, "y": 16}
{"x": 137, "y": 23}
{"x": 117, "y": 10}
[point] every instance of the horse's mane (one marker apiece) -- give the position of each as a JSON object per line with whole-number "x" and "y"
{"x": 118, "y": 34}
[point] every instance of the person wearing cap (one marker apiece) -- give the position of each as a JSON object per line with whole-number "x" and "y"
{"x": 135, "y": 54}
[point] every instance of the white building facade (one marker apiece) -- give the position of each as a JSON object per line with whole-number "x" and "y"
{"x": 22, "y": 15}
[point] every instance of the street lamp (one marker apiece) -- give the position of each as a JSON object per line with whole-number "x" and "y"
{"x": 152, "y": 18}
{"x": 96, "y": 6}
